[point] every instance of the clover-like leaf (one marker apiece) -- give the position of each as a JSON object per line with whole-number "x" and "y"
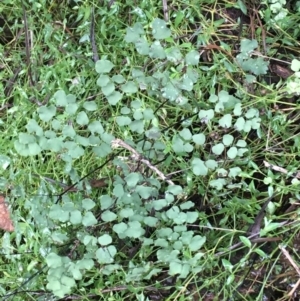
{"x": 46, "y": 113}
{"x": 104, "y": 66}
{"x": 160, "y": 29}
{"x": 192, "y": 58}
{"x": 225, "y": 121}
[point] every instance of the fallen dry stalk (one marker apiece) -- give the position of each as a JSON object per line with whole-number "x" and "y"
{"x": 138, "y": 157}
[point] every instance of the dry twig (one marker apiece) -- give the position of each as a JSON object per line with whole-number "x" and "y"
{"x": 138, "y": 157}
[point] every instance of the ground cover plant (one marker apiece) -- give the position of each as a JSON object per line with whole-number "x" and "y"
{"x": 149, "y": 150}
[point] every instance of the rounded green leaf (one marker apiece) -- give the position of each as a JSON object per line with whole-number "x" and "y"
{"x": 206, "y": 115}
{"x": 197, "y": 242}
{"x": 103, "y": 66}
{"x": 89, "y": 219}
{"x": 119, "y": 79}
{"x": 199, "y": 139}
{"x": 114, "y": 97}
{"x": 241, "y": 143}
{"x": 46, "y": 113}
{"x": 96, "y": 127}
{"x": 90, "y": 106}
{"x": 186, "y": 134}
{"x": 199, "y": 168}
{"x": 103, "y": 80}
{"x": 129, "y": 87}
{"x": 105, "y": 240}
{"x": 227, "y": 139}
{"x": 61, "y": 98}
{"x": 132, "y": 179}
{"x": 75, "y": 217}
{"x": 157, "y": 51}
{"x": 108, "y": 216}
{"x": 226, "y": 121}
{"x": 239, "y": 124}
{"x": 106, "y": 201}
{"x": 160, "y": 30}
{"x": 218, "y": 149}
{"x": 232, "y": 152}
{"x": 123, "y": 120}
{"x": 88, "y": 204}
{"x": 108, "y": 89}
{"x": 120, "y": 228}
{"x": 82, "y": 118}
{"x": 192, "y": 58}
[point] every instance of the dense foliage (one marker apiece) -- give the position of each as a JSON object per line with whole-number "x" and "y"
{"x": 141, "y": 148}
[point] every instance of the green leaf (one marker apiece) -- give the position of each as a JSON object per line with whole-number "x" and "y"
{"x": 106, "y": 255}
{"x": 108, "y": 216}
{"x": 232, "y": 152}
{"x": 199, "y": 168}
{"x": 123, "y": 120}
{"x": 120, "y": 228}
{"x": 197, "y": 242}
{"x": 76, "y": 217}
{"x": 227, "y": 264}
{"x": 134, "y": 33}
{"x": 126, "y": 212}
{"x": 134, "y": 230}
{"x": 88, "y": 204}
{"x": 142, "y": 46}
{"x": 226, "y": 121}
{"x": 174, "y": 55}
{"x": 237, "y": 109}
{"x": 192, "y": 58}
{"x": 105, "y": 240}
{"x": 218, "y": 184}
{"x": 119, "y": 79}
{"x": 247, "y": 46}
{"x": 90, "y": 106}
{"x": 234, "y": 172}
{"x": 175, "y": 268}
{"x": 295, "y": 66}
{"x": 144, "y": 191}
{"x": 96, "y": 127}
{"x": 240, "y": 124}
{"x": 108, "y": 89}
{"x": 187, "y": 205}
{"x": 160, "y": 30}
{"x": 211, "y": 164}
{"x": 129, "y": 87}
{"x": 71, "y": 108}
{"x": 269, "y": 227}
{"x": 150, "y": 221}
{"x": 89, "y": 219}
{"x": 199, "y": 139}
{"x": 242, "y": 7}
{"x": 157, "y": 51}
{"x": 46, "y": 113}
{"x": 246, "y": 241}
{"x": 227, "y": 139}
{"x": 61, "y": 98}
{"x": 186, "y": 134}
{"x": 106, "y": 202}
{"x": 103, "y": 66}
{"x": 218, "y": 149}
{"x": 103, "y": 80}
{"x": 82, "y": 118}
{"x": 175, "y": 189}
{"x": 114, "y": 97}
{"x": 68, "y": 131}
{"x": 132, "y": 179}
{"x": 206, "y": 115}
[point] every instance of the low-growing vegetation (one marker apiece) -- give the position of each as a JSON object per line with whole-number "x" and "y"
{"x": 149, "y": 150}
